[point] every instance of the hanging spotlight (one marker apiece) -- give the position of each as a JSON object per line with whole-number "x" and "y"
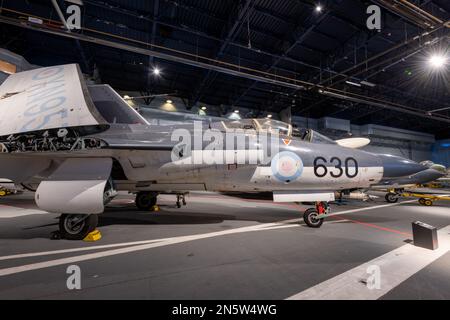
{"x": 437, "y": 61}
{"x": 203, "y": 108}
{"x": 156, "y": 71}
{"x": 236, "y": 111}
{"x": 318, "y": 8}
{"x": 169, "y": 101}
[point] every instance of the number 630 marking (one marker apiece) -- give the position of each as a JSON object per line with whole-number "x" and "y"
{"x": 321, "y": 170}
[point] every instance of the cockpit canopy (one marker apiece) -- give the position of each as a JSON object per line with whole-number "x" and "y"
{"x": 312, "y": 136}
{"x": 273, "y": 126}
{"x": 259, "y": 125}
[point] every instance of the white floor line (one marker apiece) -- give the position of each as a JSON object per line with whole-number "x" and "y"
{"x": 371, "y": 208}
{"x": 107, "y": 253}
{"x": 115, "y": 245}
{"x": 13, "y": 212}
{"x": 261, "y": 227}
{"x": 395, "y": 267}
{"x": 62, "y": 251}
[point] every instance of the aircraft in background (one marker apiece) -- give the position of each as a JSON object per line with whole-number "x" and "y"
{"x": 77, "y": 145}
{"x": 7, "y": 187}
{"x": 432, "y": 172}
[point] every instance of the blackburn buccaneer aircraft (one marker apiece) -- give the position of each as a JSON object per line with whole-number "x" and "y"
{"x": 431, "y": 172}
{"x": 77, "y": 145}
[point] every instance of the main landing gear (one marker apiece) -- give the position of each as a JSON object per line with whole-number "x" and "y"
{"x": 76, "y": 226}
{"x": 313, "y": 217}
{"x": 146, "y": 200}
{"x": 181, "y": 199}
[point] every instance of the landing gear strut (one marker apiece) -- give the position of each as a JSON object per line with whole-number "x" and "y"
{"x": 146, "y": 200}
{"x": 77, "y": 226}
{"x": 181, "y": 199}
{"x": 313, "y": 217}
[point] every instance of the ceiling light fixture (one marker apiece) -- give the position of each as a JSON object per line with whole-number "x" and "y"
{"x": 369, "y": 84}
{"x": 437, "y": 61}
{"x": 353, "y": 83}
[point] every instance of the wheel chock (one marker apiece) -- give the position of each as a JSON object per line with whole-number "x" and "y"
{"x": 154, "y": 208}
{"x": 93, "y": 236}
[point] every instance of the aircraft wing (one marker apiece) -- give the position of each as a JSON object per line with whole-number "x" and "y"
{"x": 46, "y": 98}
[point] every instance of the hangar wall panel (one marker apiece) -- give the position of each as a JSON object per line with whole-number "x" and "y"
{"x": 441, "y": 152}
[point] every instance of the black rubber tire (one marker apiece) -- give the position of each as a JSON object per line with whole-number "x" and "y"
{"x": 428, "y": 202}
{"x": 391, "y": 197}
{"x": 422, "y": 201}
{"x": 145, "y": 200}
{"x": 309, "y": 219}
{"x": 87, "y": 226}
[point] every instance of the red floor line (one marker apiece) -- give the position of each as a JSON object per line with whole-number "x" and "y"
{"x": 374, "y": 226}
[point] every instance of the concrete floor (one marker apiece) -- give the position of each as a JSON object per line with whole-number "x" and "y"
{"x": 217, "y": 247}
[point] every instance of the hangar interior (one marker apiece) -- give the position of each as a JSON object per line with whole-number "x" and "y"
{"x": 312, "y": 64}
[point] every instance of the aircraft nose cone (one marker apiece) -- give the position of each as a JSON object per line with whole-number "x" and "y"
{"x": 436, "y": 174}
{"x": 399, "y": 167}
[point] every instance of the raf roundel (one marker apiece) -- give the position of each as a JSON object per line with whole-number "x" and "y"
{"x": 287, "y": 166}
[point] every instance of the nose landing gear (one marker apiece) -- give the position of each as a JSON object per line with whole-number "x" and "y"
{"x": 313, "y": 217}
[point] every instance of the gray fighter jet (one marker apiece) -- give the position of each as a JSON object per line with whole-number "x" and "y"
{"x": 77, "y": 145}
{"x": 432, "y": 172}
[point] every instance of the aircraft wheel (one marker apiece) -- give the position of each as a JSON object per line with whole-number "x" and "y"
{"x": 422, "y": 201}
{"x": 77, "y": 226}
{"x": 428, "y": 202}
{"x": 145, "y": 200}
{"x": 2, "y": 193}
{"x": 391, "y": 197}
{"x": 310, "y": 220}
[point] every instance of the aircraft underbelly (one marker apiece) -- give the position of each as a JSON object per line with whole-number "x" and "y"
{"x": 20, "y": 169}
